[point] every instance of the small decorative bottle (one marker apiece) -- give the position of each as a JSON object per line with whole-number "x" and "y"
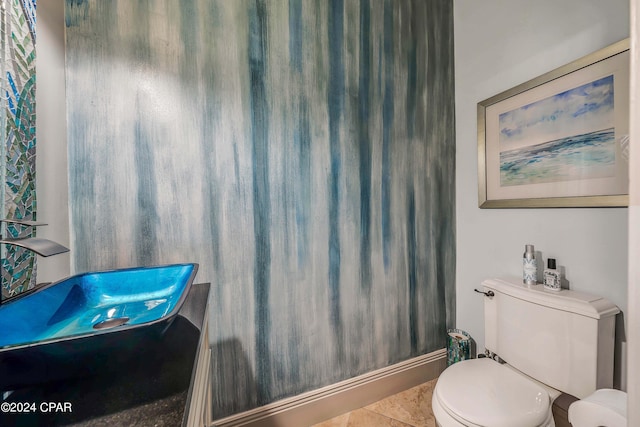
{"x": 529, "y": 267}
{"x": 551, "y": 276}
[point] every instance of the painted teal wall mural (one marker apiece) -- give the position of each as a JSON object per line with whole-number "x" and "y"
{"x": 18, "y": 139}
{"x": 301, "y": 151}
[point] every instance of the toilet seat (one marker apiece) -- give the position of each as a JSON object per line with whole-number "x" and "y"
{"x": 482, "y": 392}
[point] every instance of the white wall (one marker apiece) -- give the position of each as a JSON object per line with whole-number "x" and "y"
{"x": 51, "y": 150}
{"x": 633, "y": 385}
{"x": 500, "y": 44}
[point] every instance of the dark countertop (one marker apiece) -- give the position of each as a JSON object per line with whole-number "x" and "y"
{"x": 149, "y": 388}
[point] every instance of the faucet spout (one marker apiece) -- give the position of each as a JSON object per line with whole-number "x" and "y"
{"x": 43, "y": 247}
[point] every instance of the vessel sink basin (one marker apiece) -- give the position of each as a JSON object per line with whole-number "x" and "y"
{"x": 77, "y": 325}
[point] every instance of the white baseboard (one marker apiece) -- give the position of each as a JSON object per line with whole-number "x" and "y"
{"x": 318, "y": 405}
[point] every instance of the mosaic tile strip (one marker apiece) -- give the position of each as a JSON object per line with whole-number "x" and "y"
{"x": 18, "y": 146}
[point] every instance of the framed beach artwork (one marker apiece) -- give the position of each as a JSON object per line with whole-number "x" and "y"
{"x": 559, "y": 140}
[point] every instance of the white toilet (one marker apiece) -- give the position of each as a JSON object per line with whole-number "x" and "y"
{"x": 552, "y": 342}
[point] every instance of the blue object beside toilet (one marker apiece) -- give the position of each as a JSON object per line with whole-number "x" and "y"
{"x": 458, "y": 343}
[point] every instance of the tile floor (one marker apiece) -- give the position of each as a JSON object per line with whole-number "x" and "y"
{"x": 410, "y": 408}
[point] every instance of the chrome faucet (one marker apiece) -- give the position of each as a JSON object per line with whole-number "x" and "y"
{"x": 43, "y": 247}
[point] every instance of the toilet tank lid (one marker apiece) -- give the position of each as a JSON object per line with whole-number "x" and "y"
{"x": 577, "y": 302}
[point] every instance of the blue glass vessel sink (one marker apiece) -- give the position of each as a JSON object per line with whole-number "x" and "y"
{"x": 70, "y": 326}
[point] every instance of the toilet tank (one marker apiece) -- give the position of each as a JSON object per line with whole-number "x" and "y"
{"x": 563, "y": 339}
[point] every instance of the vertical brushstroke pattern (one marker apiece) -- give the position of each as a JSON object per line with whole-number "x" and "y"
{"x": 412, "y": 273}
{"x": 258, "y": 50}
{"x": 303, "y": 141}
{"x": 335, "y": 105}
{"x": 365, "y": 145}
{"x": 212, "y": 199}
{"x": 442, "y": 46}
{"x": 302, "y": 152}
{"x": 434, "y": 206}
{"x": 387, "y": 128}
{"x": 295, "y": 34}
{"x": 146, "y": 247}
{"x": 145, "y": 223}
{"x": 411, "y": 88}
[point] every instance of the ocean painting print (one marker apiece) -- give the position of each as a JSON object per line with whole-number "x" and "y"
{"x": 558, "y": 140}
{"x": 568, "y": 136}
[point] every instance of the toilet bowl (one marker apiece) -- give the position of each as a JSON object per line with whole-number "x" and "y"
{"x": 482, "y": 392}
{"x": 605, "y": 407}
{"x": 553, "y": 342}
